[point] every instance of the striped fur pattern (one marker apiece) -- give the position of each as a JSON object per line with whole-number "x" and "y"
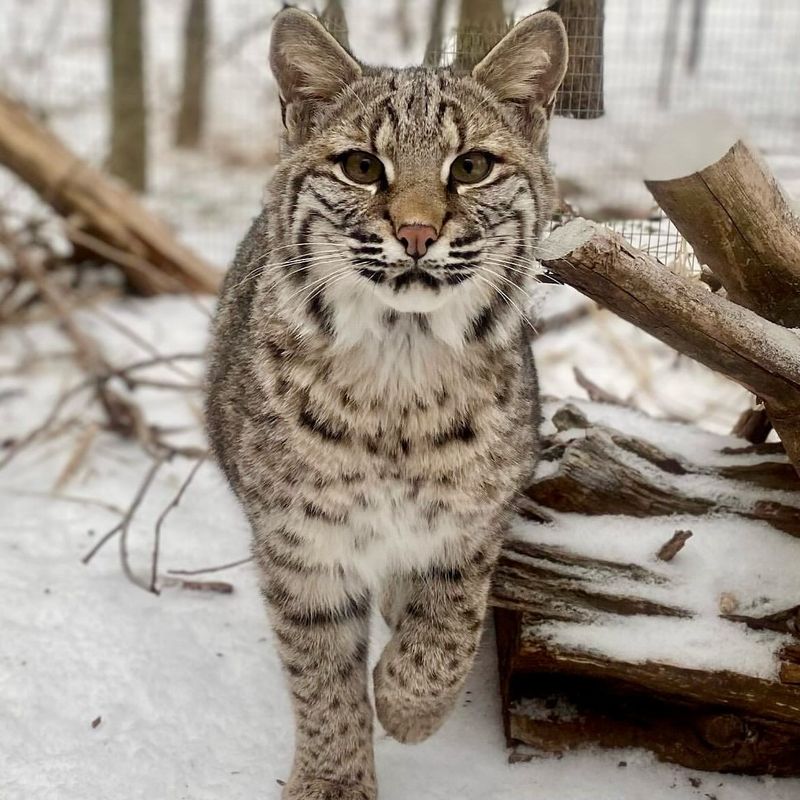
{"x": 376, "y": 414}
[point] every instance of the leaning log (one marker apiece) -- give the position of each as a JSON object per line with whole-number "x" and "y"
{"x": 101, "y": 215}
{"x": 760, "y": 355}
{"x": 732, "y": 211}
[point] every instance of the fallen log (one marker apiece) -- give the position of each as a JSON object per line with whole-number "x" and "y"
{"x": 617, "y": 650}
{"x": 559, "y": 698}
{"x": 760, "y": 355}
{"x": 549, "y": 583}
{"x": 595, "y": 475}
{"x": 101, "y": 215}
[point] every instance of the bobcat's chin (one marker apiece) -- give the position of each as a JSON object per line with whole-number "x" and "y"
{"x": 416, "y": 299}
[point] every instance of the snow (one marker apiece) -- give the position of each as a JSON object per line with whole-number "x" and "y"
{"x": 638, "y": 639}
{"x": 727, "y": 555}
{"x": 689, "y": 143}
{"x": 190, "y": 695}
{"x": 187, "y": 685}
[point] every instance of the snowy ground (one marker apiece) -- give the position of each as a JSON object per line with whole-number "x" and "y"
{"x": 187, "y": 686}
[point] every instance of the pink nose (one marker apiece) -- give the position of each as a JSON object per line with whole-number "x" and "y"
{"x": 417, "y": 238}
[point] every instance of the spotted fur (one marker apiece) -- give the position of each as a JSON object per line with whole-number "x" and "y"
{"x": 376, "y": 414}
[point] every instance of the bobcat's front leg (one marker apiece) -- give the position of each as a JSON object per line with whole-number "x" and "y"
{"x": 436, "y": 635}
{"x": 321, "y": 624}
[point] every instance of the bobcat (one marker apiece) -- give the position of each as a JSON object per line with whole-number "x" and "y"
{"x": 371, "y": 391}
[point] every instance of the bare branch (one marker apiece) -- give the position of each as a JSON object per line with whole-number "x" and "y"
{"x": 206, "y": 570}
{"x": 160, "y": 522}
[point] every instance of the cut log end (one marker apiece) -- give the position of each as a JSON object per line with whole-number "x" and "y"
{"x": 567, "y": 238}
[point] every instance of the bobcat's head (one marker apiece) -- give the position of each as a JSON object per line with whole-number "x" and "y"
{"x": 414, "y": 191}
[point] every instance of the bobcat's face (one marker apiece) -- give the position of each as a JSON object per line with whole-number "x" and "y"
{"x": 421, "y": 183}
{"x": 416, "y": 188}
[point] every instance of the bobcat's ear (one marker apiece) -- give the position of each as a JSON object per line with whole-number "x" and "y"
{"x": 528, "y": 64}
{"x": 310, "y": 66}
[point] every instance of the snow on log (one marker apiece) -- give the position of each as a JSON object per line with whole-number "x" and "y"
{"x": 605, "y": 471}
{"x": 101, "y": 215}
{"x": 602, "y": 642}
{"x": 761, "y": 355}
{"x": 708, "y": 720}
{"x": 728, "y": 205}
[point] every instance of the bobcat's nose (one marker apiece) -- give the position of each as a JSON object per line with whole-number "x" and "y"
{"x": 417, "y": 238}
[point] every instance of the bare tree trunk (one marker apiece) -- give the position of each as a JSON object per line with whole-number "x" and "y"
{"x": 581, "y": 94}
{"x": 433, "y": 49}
{"x": 334, "y": 19}
{"x": 481, "y": 25}
{"x": 128, "y": 157}
{"x": 189, "y": 130}
{"x": 696, "y": 41}
{"x": 668, "y": 53}
{"x": 404, "y": 31}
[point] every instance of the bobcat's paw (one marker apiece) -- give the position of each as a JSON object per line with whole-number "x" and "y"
{"x": 318, "y": 789}
{"x": 407, "y": 715}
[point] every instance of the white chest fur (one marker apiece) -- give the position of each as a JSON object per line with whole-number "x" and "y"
{"x": 391, "y": 532}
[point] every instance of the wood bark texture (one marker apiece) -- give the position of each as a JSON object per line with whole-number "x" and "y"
{"x": 760, "y": 355}
{"x": 581, "y": 93}
{"x": 128, "y": 155}
{"x": 717, "y": 721}
{"x": 101, "y": 215}
{"x": 740, "y": 224}
{"x": 557, "y": 697}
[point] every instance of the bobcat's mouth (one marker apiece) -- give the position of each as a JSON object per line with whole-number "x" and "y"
{"x": 415, "y": 289}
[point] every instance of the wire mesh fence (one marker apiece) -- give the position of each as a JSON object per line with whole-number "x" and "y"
{"x": 632, "y": 62}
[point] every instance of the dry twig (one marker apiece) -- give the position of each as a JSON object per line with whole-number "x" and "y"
{"x": 206, "y": 570}
{"x": 160, "y": 522}
{"x": 669, "y": 550}
{"x": 123, "y": 525}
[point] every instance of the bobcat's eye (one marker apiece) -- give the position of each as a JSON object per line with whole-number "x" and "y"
{"x": 362, "y": 167}
{"x": 471, "y": 167}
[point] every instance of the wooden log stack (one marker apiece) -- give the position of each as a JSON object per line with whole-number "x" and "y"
{"x": 605, "y": 635}
{"x": 554, "y": 590}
